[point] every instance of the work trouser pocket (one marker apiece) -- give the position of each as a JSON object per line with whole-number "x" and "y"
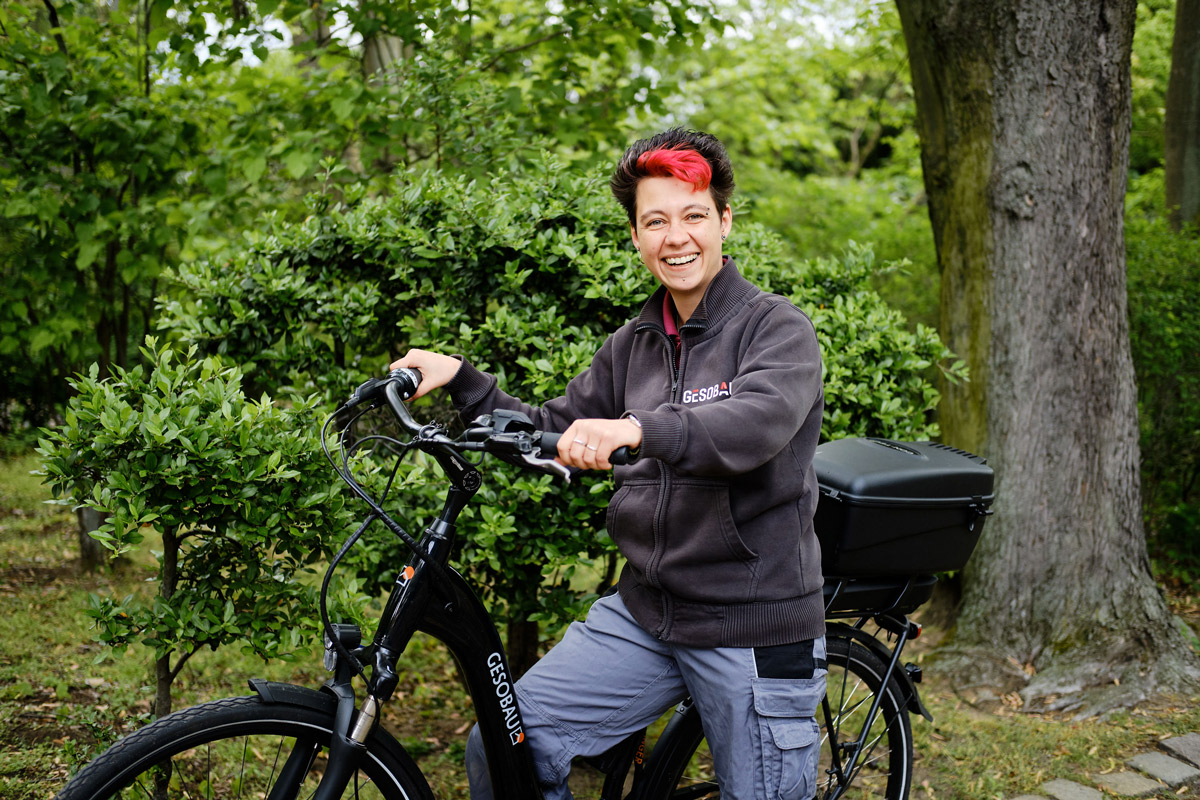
{"x": 789, "y": 735}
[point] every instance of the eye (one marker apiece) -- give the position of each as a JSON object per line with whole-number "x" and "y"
{"x": 654, "y": 223}
{"x": 697, "y": 217}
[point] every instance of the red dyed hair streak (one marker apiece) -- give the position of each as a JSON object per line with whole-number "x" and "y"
{"x": 686, "y": 165}
{"x": 694, "y": 157}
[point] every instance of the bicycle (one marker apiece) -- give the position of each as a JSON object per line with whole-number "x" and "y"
{"x": 286, "y": 741}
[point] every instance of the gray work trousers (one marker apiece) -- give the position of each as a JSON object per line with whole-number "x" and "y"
{"x": 609, "y": 678}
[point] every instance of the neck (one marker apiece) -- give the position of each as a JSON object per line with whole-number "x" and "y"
{"x": 684, "y": 306}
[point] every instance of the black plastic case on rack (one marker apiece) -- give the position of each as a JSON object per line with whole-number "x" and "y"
{"x": 899, "y": 508}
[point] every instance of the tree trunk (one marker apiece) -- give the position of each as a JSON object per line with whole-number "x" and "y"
{"x": 1182, "y": 125}
{"x": 1024, "y": 113}
{"x": 164, "y": 674}
{"x": 163, "y": 678}
{"x": 381, "y": 51}
{"x": 522, "y": 645}
{"x": 92, "y": 554}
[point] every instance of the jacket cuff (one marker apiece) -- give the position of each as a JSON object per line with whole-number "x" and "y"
{"x": 469, "y": 385}
{"x": 662, "y": 434}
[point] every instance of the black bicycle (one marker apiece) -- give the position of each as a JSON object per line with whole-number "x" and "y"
{"x": 285, "y": 742}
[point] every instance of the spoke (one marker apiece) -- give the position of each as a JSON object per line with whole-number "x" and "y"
{"x": 849, "y": 697}
{"x": 868, "y": 766}
{"x": 313, "y": 792}
{"x": 845, "y": 713}
{"x": 143, "y": 789}
{"x": 275, "y": 763}
{"x": 867, "y": 760}
{"x": 241, "y": 781}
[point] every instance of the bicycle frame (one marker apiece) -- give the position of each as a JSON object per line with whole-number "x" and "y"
{"x": 432, "y": 597}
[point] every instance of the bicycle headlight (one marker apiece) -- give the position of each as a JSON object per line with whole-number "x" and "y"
{"x": 348, "y": 635}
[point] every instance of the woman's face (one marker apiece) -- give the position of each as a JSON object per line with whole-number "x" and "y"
{"x": 678, "y": 233}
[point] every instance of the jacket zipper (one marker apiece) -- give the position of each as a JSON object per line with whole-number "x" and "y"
{"x": 664, "y": 491}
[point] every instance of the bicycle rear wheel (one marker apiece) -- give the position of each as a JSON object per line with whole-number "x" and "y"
{"x": 239, "y": 748}
{"x": 883, "y": 767}
{"x": 681, "y": 766}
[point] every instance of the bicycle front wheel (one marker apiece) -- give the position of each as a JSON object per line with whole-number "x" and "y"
{"x": 881, "y": 767}
{"x": 242, "y": 748}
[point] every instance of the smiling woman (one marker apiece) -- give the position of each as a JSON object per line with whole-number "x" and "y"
{"x": 717, "y": 386}
{"x": 675, "y": 189}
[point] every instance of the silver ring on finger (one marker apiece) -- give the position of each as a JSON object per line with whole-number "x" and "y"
{"x": 592, "y": 447}
{"x": 580, "y": 441}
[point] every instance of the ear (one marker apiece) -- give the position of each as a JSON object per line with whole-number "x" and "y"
{"x": 633, "y": 235}
{"x": 726, "y": 221}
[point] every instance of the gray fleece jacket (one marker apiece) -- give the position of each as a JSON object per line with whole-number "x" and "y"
{"x": 715, "y": 519}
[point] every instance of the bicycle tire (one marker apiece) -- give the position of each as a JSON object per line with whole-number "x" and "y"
{"x": 250, "y": 737}
{"x": 680, "y": 766}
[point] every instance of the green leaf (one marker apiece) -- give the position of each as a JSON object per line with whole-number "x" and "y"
{"x": 41, "y": 339}
{"x": 254, "y": 167}
{"x": 342, "y": 107}
{"x": 87, "y": 253}
{"x": 297, "y": 163}
{"x": 19, "y": 206}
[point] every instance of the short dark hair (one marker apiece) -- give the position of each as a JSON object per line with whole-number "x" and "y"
{"x": 632, "y": 168}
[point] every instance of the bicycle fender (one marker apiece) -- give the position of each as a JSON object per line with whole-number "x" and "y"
{"x": 913, "y": 702}
{"x": 275, "y": 693}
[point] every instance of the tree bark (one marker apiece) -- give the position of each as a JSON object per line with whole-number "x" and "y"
{"x": 164, "y": 673}
{"x": 1023, "y": 111}
{"x": 92, "y": 554}
{"x": 1181, "y": 128}
{"x": 523, "y": 640}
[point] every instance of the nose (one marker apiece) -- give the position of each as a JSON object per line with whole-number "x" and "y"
{"x": 676, "y": 234}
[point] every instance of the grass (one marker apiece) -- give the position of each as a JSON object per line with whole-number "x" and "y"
{"x": 998, "y": 753}
{"x": 63, "y": 697}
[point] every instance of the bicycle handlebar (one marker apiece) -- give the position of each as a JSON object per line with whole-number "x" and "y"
{"x": 508, "y": 435}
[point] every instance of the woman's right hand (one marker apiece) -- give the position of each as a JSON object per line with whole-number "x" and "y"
{"x": 436, "y": 369}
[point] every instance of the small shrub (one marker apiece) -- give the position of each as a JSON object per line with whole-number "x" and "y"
{"x": 237, "y": 491}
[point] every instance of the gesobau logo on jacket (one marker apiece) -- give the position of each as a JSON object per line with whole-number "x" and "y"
{"x": 707, "y": 393}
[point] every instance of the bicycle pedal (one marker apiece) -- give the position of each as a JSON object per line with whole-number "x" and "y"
{"x": 914, "y": 672}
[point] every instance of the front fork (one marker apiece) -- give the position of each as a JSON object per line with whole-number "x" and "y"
{"x": 349, "y": 735}
{"x": 350, "y": 730}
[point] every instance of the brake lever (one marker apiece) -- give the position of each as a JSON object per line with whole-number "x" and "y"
{"x": 548, "y": 465}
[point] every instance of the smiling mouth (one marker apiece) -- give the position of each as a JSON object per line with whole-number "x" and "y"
{"x": 678, "y": 261}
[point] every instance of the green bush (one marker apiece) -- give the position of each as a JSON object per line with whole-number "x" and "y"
{"x": 525, "y": 276}
{"x": 238, "y": 491}
{"x": 1164, "y": 319}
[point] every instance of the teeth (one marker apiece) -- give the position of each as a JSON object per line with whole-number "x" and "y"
{"x": 675, "y": 262}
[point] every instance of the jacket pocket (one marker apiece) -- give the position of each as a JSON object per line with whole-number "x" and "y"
{"x": 630, "y": 521}
{"x": 703, "y": 557}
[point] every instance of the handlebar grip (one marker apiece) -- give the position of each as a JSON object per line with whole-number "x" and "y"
{"x": 409, "y": 378}
{"x": 549, "y": 442}
{"x": 621, "y": 456}
{"x": 406, "y": 378}
{"x": 549, "y": 445}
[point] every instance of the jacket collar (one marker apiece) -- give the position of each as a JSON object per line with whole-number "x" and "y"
{"x": 727, "y": 290}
